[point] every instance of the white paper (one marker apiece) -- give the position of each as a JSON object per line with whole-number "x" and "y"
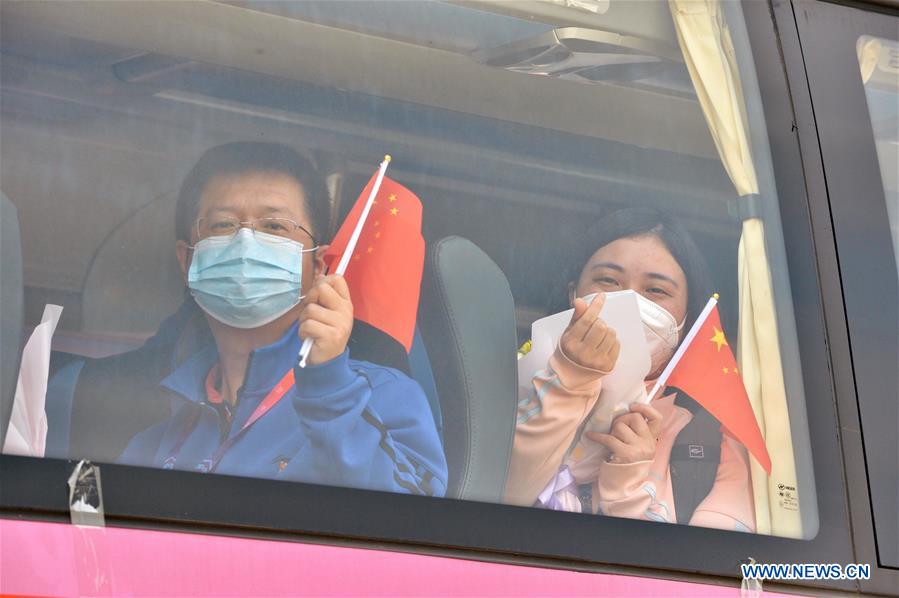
{"x": 625, "y": 383}
{"x": 27, "y": 432}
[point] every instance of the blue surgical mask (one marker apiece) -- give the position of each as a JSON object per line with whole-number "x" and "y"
{"x": 247, "y": 280}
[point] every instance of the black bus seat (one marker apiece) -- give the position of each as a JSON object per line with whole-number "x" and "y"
{"x": 467, "y": 318}
{"x": 12, "y": 309}
{"x": 95, "y": 406}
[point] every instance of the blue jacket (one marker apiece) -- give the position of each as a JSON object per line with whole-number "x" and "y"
{"x": 344, "y": 423}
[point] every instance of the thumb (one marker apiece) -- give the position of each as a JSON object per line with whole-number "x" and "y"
{"x": 580, "y": 308}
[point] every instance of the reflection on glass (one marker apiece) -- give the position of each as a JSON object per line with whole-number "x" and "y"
{"x": 877, "y": 59}
{"x": 189, "y": 274}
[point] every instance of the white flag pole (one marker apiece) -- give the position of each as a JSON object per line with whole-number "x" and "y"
{"x": 694, "y": 330}
{"x": 351, "y": 246}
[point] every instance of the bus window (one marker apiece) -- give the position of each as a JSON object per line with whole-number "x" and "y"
{"x": 878, "y": 58}
{"x": 850, "y": 61}
{"x": 179, "y": 186}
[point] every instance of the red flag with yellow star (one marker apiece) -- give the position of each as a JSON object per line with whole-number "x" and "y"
{"x": 707, "y": 371}
{"x": 384, "y": 273}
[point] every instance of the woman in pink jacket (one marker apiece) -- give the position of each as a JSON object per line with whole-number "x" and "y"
{"x": 626, "y": 473}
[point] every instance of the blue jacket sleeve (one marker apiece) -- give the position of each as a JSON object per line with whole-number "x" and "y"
{"x": 143, "y": 448}
{"x": 370, "y": 430}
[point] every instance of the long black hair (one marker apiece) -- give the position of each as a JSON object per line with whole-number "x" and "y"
{"x": 636, "y": 222}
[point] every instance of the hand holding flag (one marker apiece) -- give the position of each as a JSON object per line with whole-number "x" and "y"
{"x": 379, "y": 250}
{"x": 354, "y": 237}
{"x": 327, "y": 318}
{"x": 633, "y": 436}
{"x": 704, "y": 367}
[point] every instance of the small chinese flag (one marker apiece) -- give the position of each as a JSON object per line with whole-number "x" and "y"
{"x": 707, "y": 371}
{"x": 384, "y": 273}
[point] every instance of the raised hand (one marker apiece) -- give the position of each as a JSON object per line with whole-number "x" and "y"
{"x": 634, "y": 435}
{"x": 327, "y": 318}
{"x": 588, "y": 341}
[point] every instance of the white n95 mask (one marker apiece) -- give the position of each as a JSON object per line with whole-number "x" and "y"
{"x": 662, "y": 332}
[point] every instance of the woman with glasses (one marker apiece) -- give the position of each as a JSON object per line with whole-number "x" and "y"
{"x": 248, "y": 219}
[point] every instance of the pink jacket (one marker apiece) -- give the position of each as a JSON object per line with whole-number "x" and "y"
{"x": 549, "y": 458}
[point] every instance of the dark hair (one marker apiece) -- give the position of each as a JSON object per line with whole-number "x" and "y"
{"x": 242, "y": 157}
{"x": 635, "y": 222}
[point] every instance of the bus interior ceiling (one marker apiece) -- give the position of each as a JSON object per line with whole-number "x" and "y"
{"x": 102, "y": 114}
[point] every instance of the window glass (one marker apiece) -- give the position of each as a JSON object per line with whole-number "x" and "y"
{"x": 878, "y": 59}
{"x": 184, "y": 188}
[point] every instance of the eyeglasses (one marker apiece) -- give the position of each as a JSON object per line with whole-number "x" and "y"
{"x": 227, "y": 226}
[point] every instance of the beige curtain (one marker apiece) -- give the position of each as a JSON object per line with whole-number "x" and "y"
{"x": 868, "y": 54}
{"x": 709, "y": 55}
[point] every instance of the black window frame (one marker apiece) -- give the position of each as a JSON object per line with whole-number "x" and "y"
{"x": 149, "y": 498}
{"x": 843, "y": 163}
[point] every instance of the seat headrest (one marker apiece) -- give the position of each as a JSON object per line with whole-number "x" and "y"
{"x": 134, "y": 281}
{"x": 467, "y": 320}
{"x": 11, "y": 309}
